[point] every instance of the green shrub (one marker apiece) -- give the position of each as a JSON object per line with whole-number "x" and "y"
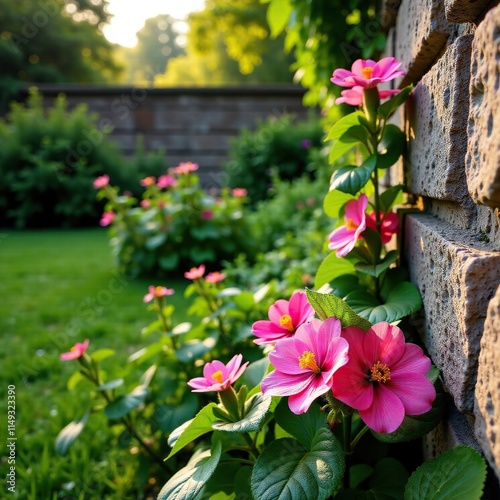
{"x": 279, "y": 146}
{"x": 48, "y": 160}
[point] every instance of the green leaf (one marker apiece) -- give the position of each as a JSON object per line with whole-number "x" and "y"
{"x": 356, "y": 134}
{"x": 68, "y": 434}
{"x": 386, "y": 109}
{"x": 373, "y": 244}
{"x": 351, "y": 179}
{"x": 302, "y": 427}
{"x": 199, "y": 425}
{"x": 388, "y": 197}
{"x": 124, "y": 404}
{"x": 256, "y": 409}
{"x": 112, "y": 384}
{"x": 148, "y": 375}
{"x": 189, "y": 481}
{"x": 155, "y": 326}
{"x": 244, "y": 301}
{"x": 255, "y": 372}
{"x": 401, "y": 301}
{"x": 168, "y": 261}
{"x": 287, "y": 469}
{"x": 345, "y": 123}
{"x": 392, "y": 146}
{"x": 170, "y": 416}
{"x": 344, "y": 284}
{"x": 155, "y": 241}
{"x": 331, "y": 268}
{"x": 334, "y": 201}
{"x": 74, "y": 380}
{"x": 194, "y": 349}
{"x": 327, "y": 306}
{"x": 457, "y": 473}
{"x": 377, "y": 270}
{"x": 102, "y": 354}
{"x": 278, "y": 14}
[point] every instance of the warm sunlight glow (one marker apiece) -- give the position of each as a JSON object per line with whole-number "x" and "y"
{"x": 129, "y": 16}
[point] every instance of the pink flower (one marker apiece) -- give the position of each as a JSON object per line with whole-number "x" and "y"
{"x": 305, "y": 364}
{"x": 146, "y": 204}
{"x": 147, "y": 181}
{"x": 107, "y": 218}
{"x": 195, "y": 273}
{"x": 285, "y": 317}
{"x": 239, "y": 192}
{"x": 306, "y": 143}
{"x": 156, "y": 292}
{"x": 385, "y": 378}
{"x": 367, "y": 73}
{"x": 207, "y": 215}
{"x": 217, "y": 376}
{"x": 215, "y": 277}
{"x": 165, "y": 181}
{"x": 354, "y": 95}
{"x": 344, "y": 238}
{"x": 186, "y": 168}
{"x": 77, "y": 351}
{"x": 101, "y": 181}
{"x": 389, "y": 226}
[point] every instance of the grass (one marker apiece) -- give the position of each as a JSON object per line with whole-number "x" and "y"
{"x": 58, "y": 288}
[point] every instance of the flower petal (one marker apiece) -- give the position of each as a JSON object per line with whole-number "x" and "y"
{"x": 301, "y": 402}
{"x": 415, "y": 391}
{"x": 384, "y": 343}
{"x": 282, "y": 384}
{"x": 386, "y": 411}
{"x": 286, "y": 354}
{"x": 299, "y": 309}
{"x": 277, "y": 310}
{"x": 350, "y": 385}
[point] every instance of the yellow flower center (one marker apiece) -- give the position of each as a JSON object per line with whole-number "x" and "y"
{"x": 367, "y": 72}
{"x": 308, "y": 361}
{"x": 217, "y": 376}
{"x": 380, "y": 372}
{"x": 73, "y": 349}
{"x": 158, "y": 291}
{"x": 351, "y": 225}
{"x": 286, "y": 322}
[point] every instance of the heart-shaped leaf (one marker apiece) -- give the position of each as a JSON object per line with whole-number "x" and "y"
{"x": 188, "y": 482}
{"x": 351, "y": 179}
{"x": 392, "y": 146}
{"x": 378, "y": 269}
{"x": 288, "y": 469}
{"x": 331, "y": 268}
{"x": 388, "y": 197}
{"x": 342, "y": 125}
{"x": 354, "y": 135}
{"x": 334, "y": 201}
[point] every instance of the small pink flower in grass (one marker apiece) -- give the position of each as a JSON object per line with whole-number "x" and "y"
{"x": 156, "y": 292}
{"x": 217, "y": 376}
{"x": 207, "y": 215}
{"x": 389, "y": 225}
{"x": 354, "y": 95}
{"x": 344, "y": 238}
{"x": 215, "y": 277}
{"x": 385, "y": 378}
{"x": 165, "y": 181}
{"x": 285, "y": 317}
{"x": 195, "y": 273}
{"x": 107, "y": 218}
{"x": 77, "y": 351}
{"x": 367, "y": 73}
{"x": 145, "y": 204}
{"x": 101, "y": 181}
{"x": 305, "y": 364}
{"x": 186, "y": 168}
{"x": 147, "y": 181}
{"x": 239, "y": 192}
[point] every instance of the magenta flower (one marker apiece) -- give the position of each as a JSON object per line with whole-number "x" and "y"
{"x": 107, "y": 218}
{"x": 145, "y": 204}
{"x": 185, "y": 168}
{"x": 305, "y": 364}
{"x": 389, "y": 225}
{"x": 215, "y": 277}
{"x": 367, "y": 73}
{"x": 207, "y": 215}
{"x": 77, "y": 351}
{"x": 165, "y": 181}
{"x": 385, "y": 378}
{"x": 195, "y": 273}
{"x": 344, "y": 238}
{"x": 239, "y": 192}
{"x": 217, "y": 376}
{"x": 354, "y": 95}
{"x": 147, "y": 181}
{"x": 156, "y": 292}
{"x": 285, "y": 317}
{"x": 101, "y": 181}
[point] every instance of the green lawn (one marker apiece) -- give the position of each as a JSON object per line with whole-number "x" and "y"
{"x": 58, "y": 288}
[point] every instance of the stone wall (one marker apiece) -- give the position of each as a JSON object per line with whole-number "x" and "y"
{"x": 451, "y": 52}
{"x": 190, "y": 124}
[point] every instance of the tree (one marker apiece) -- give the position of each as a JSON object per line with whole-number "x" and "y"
{"x": 156, "y": 45}
{"x": 53, "y": 41}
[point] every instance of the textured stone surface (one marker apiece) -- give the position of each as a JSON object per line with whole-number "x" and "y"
{"x": 457, "y": 277}
{"x": 483, "y": 154}
{"x": 422, "y": 32}
{"x": 437, "y": 114}
{"x": 488, "y": 223}
{"x": 487, "y": 404}
{"x": 465, "y": 11}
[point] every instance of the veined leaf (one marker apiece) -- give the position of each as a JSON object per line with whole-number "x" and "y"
{"x": 331, "y": 268}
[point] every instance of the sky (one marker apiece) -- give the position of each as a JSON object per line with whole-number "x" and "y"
{"x": 129, "y": 16}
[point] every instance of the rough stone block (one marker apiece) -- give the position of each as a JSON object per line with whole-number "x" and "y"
{"x": 422, "y": 32}
{"x": 464, "y": 11}
{"x": 487, "y": 404}
{"x": 437, "y": 114}
{"x": 457, "y": 278}
{"x": 483, "y": 153}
